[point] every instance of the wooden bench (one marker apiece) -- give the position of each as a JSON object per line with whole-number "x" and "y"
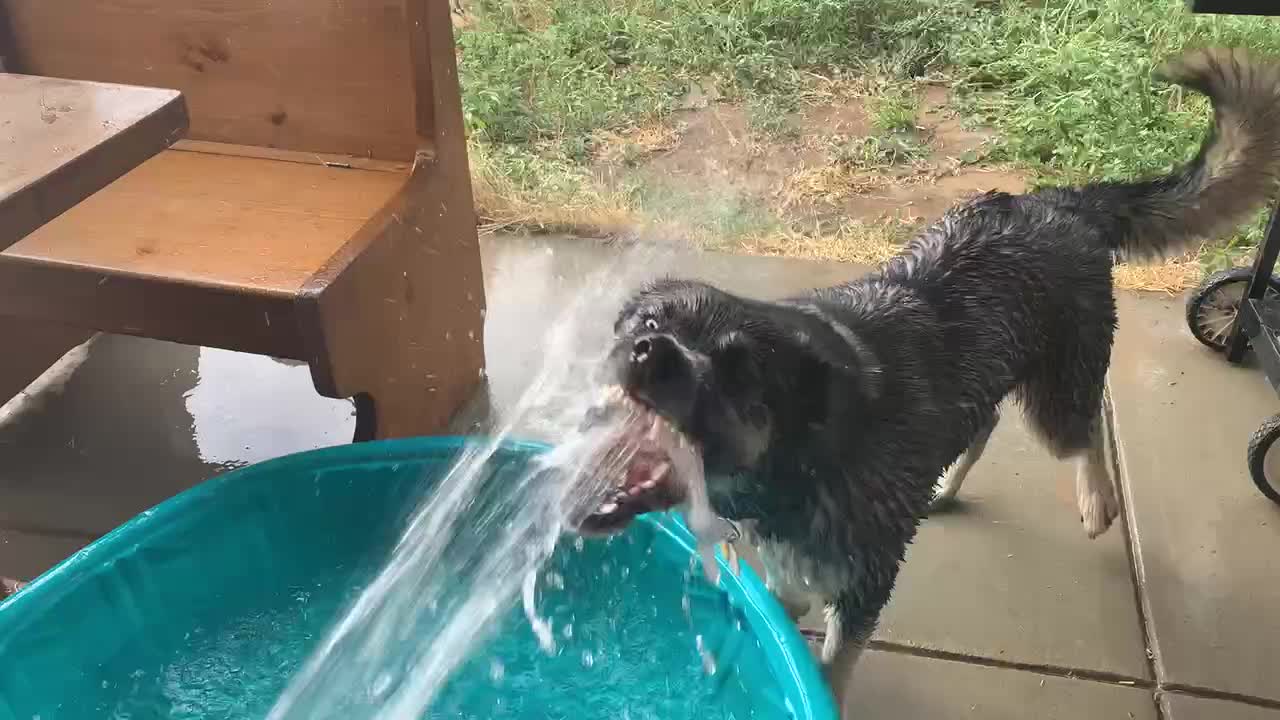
{"x": 320, "y": 210}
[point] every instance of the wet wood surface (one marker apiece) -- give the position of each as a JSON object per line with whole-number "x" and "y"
{"x": 63, "y": 140}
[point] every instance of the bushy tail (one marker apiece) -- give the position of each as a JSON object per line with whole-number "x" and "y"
{"x": 1232, "y": 176}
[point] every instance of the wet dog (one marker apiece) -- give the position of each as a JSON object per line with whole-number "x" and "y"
{"x": 825, "y": 421}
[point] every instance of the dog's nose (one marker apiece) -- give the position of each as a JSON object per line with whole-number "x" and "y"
{"x": 655, "y": 359}
{"x": 651, "y": 350}
{"x": 640, "y": 351}
{"x": 658, "y": 370}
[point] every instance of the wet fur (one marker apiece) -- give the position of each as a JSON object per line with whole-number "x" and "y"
{"x": 827, "y": 419}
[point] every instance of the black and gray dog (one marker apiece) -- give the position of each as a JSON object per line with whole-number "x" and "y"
{"x": 825, "y": 421}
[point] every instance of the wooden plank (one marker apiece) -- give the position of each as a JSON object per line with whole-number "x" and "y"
{"x": 328, "y": 76}
{"x": 61, "y": 141}
{"x": 233, "y": 222}
{"x": 147, "y": 306}
{"x": 398, "y": 314}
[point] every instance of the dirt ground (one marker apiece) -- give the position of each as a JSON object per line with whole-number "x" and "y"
{"x": 717, "y": 165}
{"x": 823, "y": 181}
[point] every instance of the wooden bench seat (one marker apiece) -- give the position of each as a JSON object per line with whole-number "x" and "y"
{"x": 320, "y": 211}
{"x": 218, "y": 220}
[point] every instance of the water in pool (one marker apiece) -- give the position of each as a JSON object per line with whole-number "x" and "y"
{"x": 626, "y": 646}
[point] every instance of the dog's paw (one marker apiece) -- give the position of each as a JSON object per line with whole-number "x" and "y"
{"x": 941, "y": 501}
{"x": 1097, "y": 511}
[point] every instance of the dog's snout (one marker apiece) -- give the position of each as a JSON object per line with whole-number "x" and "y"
{"x": 653, "y": 352}
{"x": 656, "y": 361}
{"x": 640, "y": 351}
{"x": 659, "y": 370}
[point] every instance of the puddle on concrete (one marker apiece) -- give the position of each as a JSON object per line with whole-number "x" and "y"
{"x": 247, "y": 408}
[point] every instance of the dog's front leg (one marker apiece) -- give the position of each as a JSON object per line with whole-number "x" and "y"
{"x": 794, "y": 600}
{"x": 846, "y": 638}
{"x": 851, "y": 620}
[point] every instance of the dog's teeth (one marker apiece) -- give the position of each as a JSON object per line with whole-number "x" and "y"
{"x": 608, "y": 508}
{"x": 649, "y": 484}
{"x": 635, "y": 490}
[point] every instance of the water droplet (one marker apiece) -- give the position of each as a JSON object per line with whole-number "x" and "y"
{"x": 708, "y": 660}
{"x": 588, "y": 659}
{"x": 497, "y": 671}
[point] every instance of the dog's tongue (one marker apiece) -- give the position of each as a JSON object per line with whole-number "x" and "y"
{"x": 644, "y": 464}
{"x": 648, "y": 465}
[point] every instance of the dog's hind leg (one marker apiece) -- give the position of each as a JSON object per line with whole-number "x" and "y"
{"x": 1063, "y": 401}
{"x": 1095, "y": 492}
{"x": 951, "y": 481}
{"x": 1080, "y": 438}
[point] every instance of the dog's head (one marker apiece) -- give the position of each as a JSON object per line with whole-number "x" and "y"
{"x": 734, "y": 378}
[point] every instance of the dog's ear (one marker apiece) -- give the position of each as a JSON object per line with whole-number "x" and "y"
{"x": 736, "y": 362}
{"x": 841, "y": 377}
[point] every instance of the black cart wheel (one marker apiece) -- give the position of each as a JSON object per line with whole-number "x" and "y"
{"x": 1212, "y": 308}
{"x": 1259, "y": 444}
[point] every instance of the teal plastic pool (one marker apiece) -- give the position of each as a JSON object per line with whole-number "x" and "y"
{"x": 205, "y": 605}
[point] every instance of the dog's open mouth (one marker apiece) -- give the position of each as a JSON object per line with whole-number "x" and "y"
{"x": 644, "y": 464}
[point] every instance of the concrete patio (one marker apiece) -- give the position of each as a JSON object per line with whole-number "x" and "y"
{"x": 1005, "y": 609}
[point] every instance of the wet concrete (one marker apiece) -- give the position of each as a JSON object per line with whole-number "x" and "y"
{"x": 903, "y": 687}
{"x": 1208, "y": 541}
{"x": 999, "y": 601}
{"x": 1185, "y": 707}
{"x": 142, "y": 420}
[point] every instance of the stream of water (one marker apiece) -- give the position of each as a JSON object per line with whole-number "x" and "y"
{"x": 475, "y": 546}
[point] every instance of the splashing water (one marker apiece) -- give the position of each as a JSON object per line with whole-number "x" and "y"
{"x": 477, "y": 543}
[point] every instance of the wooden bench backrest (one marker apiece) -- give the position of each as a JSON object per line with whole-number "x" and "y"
{"x": 322, "y": 76}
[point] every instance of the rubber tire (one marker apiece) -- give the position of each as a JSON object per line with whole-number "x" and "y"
{"x": 1259, "y": 444}
{"x": 1212, "y": 284}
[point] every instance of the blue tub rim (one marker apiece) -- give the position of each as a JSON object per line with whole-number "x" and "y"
{"x": 789, "y": 656}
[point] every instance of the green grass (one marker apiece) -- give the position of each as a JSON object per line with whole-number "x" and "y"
{"x": 894, "y": 109}
{"x": 1066, "y": 83}
{"x": 585, "y": 65}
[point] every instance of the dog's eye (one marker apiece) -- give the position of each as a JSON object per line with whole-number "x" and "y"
{"x": 651, "y": 324}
